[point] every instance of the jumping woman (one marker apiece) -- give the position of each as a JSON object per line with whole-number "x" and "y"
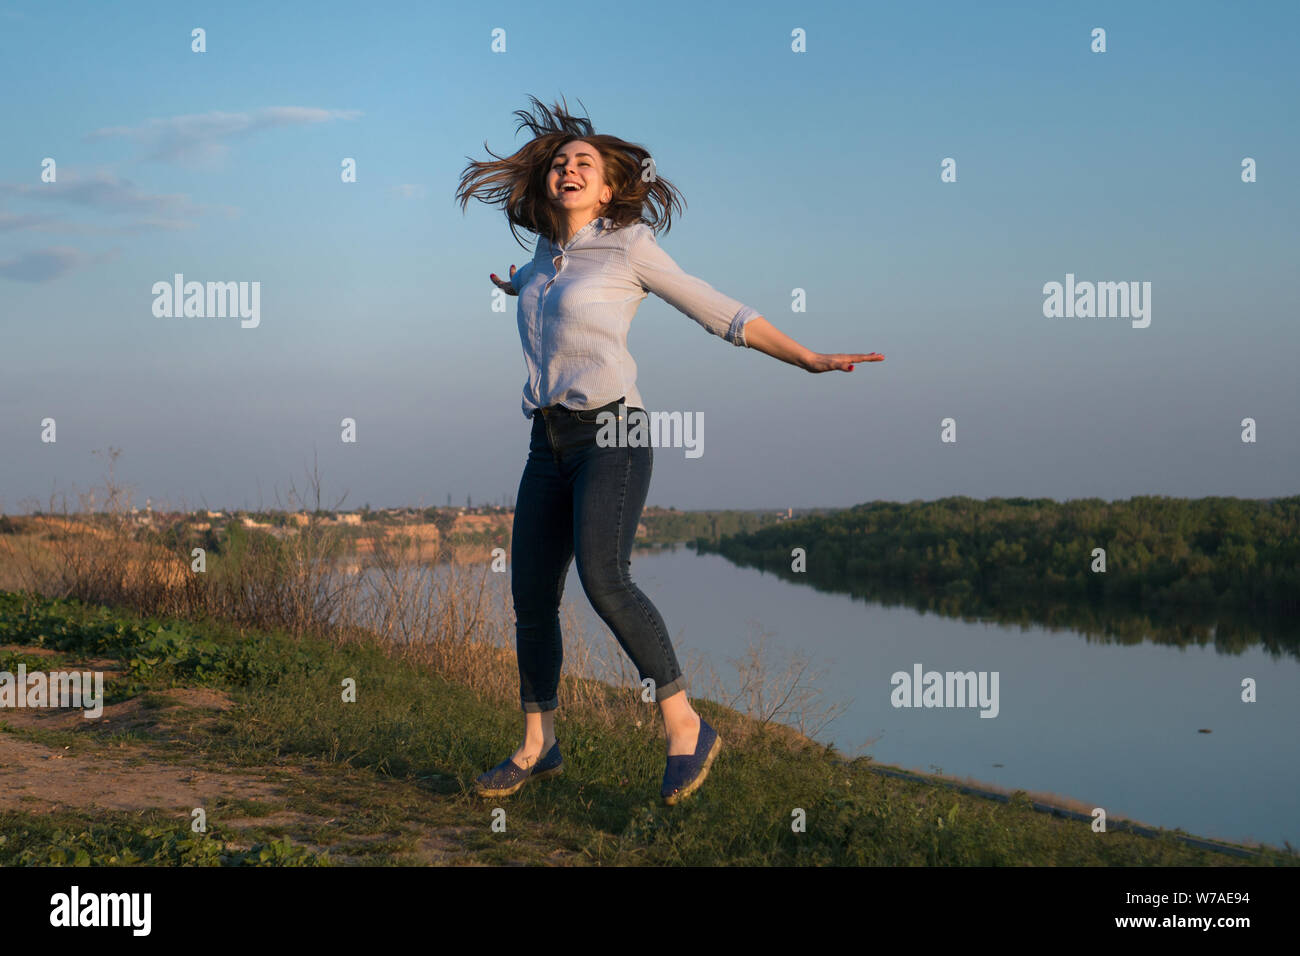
{"x": 595, "y": 204}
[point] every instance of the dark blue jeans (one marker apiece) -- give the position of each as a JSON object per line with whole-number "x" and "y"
{"x": 577, "y": 499}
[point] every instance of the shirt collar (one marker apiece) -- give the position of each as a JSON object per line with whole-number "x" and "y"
{"x": 600, "y": 223}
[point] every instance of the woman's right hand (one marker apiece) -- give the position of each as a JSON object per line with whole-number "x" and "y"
{"x": 504, "y": 284}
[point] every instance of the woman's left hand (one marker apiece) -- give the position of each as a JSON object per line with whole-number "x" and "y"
{"x": 767, "y": 338}
{"x": 818, "y": 362}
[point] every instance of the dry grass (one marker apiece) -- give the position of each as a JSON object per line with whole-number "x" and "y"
{"x": 423, "y": 599}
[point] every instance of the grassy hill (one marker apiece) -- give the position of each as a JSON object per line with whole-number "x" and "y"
{"x": 250, "y": 726}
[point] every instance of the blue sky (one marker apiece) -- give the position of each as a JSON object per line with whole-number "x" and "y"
{"x": 816, "y": 170}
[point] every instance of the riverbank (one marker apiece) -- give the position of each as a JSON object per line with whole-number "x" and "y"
{"x": 250, "y": 726}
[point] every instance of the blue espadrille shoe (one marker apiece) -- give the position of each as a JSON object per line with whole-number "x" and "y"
{"x": 686, "y": 772}
{"x": 508, "y": 777}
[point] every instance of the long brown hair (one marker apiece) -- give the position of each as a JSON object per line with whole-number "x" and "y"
{"x": 518, "y": 183}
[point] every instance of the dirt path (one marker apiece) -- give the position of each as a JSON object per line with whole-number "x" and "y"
{"x": 133, "y": 759}
{"x": 39, "y": 777}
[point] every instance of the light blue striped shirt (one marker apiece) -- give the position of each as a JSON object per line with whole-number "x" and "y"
{"x": 576, "y": 304}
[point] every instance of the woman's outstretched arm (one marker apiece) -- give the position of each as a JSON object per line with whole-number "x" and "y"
{"x": 719, "y": 313}
{"x": 763, "y": 335}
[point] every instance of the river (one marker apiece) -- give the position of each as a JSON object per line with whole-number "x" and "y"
{"x": 1110, "y": 725}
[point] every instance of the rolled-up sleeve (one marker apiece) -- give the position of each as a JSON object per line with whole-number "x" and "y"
{"x": 658, "y": 273}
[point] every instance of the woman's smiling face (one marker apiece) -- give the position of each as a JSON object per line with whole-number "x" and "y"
{"x": 576, "y": 180}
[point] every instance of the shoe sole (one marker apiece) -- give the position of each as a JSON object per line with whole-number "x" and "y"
{"x": 511, "y": 791}
{"x": 694, "y": 785}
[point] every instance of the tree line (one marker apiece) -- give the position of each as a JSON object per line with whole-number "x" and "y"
{"x": 1165, "y": 556}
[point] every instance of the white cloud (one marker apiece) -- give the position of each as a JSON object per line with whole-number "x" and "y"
{"x": 42, "y": 265}
{"x": 201, "y": 137}
{"x": 106, "y": 193}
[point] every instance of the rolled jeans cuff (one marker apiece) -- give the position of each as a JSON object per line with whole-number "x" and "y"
{"x": 672, "y": 687}
{"x": 539, "y": 706}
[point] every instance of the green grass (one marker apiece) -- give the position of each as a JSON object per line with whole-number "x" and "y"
{"x": 122, "y": 839}
{"x": 388, "y": 779}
